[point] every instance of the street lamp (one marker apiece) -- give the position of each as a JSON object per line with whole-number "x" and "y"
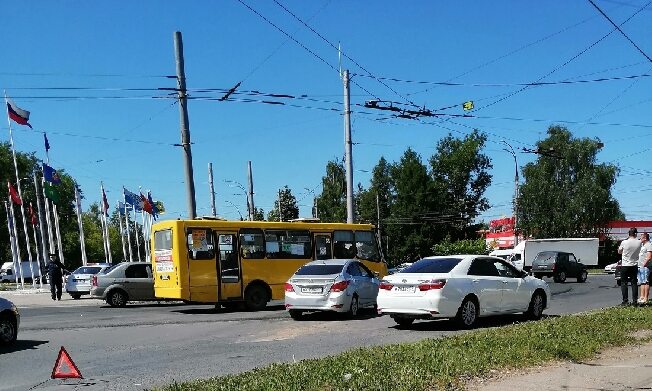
{"x": 235, "y": 207}
{"x": 515, "y": 203}
{"x": 315, "y": 213}
{"x": 232, "y": 183}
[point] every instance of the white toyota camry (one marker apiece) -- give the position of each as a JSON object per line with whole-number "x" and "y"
{"x": 463, "y": 287}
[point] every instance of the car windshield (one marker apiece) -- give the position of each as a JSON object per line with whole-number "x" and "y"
{"x": 545, "y": 257}
{"x": 108, "y": 269}
{"x": 318, "y": 270}
{"x": 88, "y": 270}
{"x": 433, "y": 265}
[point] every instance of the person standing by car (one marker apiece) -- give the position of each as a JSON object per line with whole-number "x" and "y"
{"x": 644, "y": 257}
{"x": 55, "y": 273}
{"x": 630, "y": 249}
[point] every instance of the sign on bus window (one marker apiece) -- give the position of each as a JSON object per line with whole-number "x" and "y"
{"x": 200, "y": 243}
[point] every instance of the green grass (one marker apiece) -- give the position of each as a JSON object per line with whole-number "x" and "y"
{"x": 596, "y": 270}
{"x": 444, "y": 363}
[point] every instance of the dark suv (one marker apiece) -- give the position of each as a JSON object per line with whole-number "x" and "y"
{"x": 558, "y": 265}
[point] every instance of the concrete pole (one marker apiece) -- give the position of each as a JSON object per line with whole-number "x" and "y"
{"x": 250, "y": 195}
{"x": 185, "y": 126}
{"x": 347, "y": 149}
{"x": 211, "y": 189}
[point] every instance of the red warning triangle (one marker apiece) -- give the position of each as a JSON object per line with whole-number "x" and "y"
{"x": 58, "y": 372}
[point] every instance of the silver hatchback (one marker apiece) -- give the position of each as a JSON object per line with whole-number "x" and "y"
{"x": 126, "y": 281}
{"x": 78, "y": 282}
{"x": 340, "y": 285}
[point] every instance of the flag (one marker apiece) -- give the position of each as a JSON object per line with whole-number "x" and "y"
{"x": 123, "y": 208}
{"x": 105, "y": 203}
{"x": 51, "y": 175}
{"x": 132, "y": 199}
{"x": 32, "y": 215}
{"x": 145, "y": 205}
{"x": 14, "y": 195}
{"x": 154, "y": 208}
{"x": 17, "y": 114}
{"x": 468, "y": 105}
{"x": 47, "y": 143}
{"x": 51, "y": 192}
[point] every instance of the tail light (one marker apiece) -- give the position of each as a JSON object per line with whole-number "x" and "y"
{"x": 386, "y": 286}
{"x": 554, "y": 265}
{"x": 434, "y": 284}
{"x": 339, "y": 286}
{"x": 94, "y": 281}
{"x": 289, "y": 287}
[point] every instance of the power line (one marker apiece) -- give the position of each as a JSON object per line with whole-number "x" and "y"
{"x": 621, "y": 31}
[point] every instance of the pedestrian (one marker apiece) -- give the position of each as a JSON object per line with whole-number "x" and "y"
{"x": 55, "y": 273}
{"x": 630, "y": 249}
{"x": 644, "y": 257}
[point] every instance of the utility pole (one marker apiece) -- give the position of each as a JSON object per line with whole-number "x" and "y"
{"x": 250, "y": 195}
{"x": 185, "y": 127}
{"x": 515, "y": 203}
{"x": 347, "y": 148}
{"x": 211, "y": 188}
{"x": 380, "y": 243}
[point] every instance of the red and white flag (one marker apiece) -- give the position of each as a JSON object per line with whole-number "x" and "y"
{"x": 13, "y": 194}
{"x": 17, "y": 114}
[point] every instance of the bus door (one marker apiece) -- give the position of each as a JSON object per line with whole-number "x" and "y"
{"x": 202, "y": 274}
{"x": 323, "y": 246}
{"x": 228, "y": 264}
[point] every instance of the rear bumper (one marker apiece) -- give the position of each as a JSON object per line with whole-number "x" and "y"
{"x": 429, "y": 306}
{"x": 338, "y": 302}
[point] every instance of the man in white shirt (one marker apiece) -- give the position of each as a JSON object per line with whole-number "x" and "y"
{"x": 644, "y": 258}
{"x": 630, "y": 249}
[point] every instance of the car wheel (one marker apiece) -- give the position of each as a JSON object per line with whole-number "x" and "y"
{"x": 8, "y": 329}
{"x": 117, "y": 298}
{"x": 560, "y": 276}
{"x": 403, "y": 322}
{"x": 537, "y": 304}
{"x": 75, "y": 296}
{"x": 467, "y": 314}
{"x": 256, "y": 298}
{"x": 582, "y": 277}
{"x": 295, "y": 314}
{"x": 353, "y": 309}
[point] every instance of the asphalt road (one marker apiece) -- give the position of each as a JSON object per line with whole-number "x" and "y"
{"x": 141, "y": 346}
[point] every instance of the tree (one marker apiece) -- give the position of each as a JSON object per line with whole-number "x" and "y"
{"x": 288, "y": 207}
{"x": 381, "y": 186}
{"x": 259, "y": 214}
{"x": 566, "y": 193}
{"x": 460, "y": 170}
{"x": 331, "y": 203}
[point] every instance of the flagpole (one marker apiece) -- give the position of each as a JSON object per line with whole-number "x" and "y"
{"x": 105, "y": 213}
{"x": 58, "y": 231}
{"x": 48, "y": 218}
{"x": 131, "y": 256}
{"x": 20, "y": 192}
{"x": 122, "y": 234}
{"x": 80, "y": 223}
{"x": 12, "y": 242}
{"x": 136, "y": 234}
{"x": 108, "y": 238}
{"x": 41, "y": 222}
{"x": 19, "y": 269}
{"x": 38, "y": 253}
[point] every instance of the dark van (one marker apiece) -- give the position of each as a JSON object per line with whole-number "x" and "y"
{"x": 558, "y": 265}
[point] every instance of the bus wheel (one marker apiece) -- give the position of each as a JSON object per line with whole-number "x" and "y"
{"x": 256, "y": 298}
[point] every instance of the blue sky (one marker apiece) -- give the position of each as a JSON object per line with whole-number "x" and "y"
{"x": 117, "y": 128}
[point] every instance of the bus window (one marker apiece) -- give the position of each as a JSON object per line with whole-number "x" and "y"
{"x": 287, "y": 244}
{"x": 365, "y": 243}
{"x": 344, "y": 247}
{"x": 200, "y": 243}
{"x": 229, "y": 265}
{"x": 252, "y": 244}
{"x": 163, "y": 240}
{"x": 323, "y": 246}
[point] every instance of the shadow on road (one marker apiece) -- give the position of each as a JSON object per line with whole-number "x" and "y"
{"x": 364, "y": 314}
{"x": 225, "y": 310}
{"x": 450, "y": 325}
{"x": 20, "y": 345}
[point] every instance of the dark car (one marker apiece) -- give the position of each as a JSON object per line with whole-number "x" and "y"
{"x": 559, "y": 265}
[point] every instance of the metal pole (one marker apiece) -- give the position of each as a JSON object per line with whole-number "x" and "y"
{"x": 122, "y": 234}
{"x": 250, "y": 195}
{"x": 211, "y": 189}
{"x": 41, "y": 222}
{"x": 11, "y": 226}
{"x": 80, "y": 223}
{"x": 38, "y": 255}
{"x": 347, "y": 149}
{"x": 515, "y": 201}
{"x": 58, "y": 232}
{"x": 280, "y": 209}
{"x": 49, "y": 219}
{"x": 185, "y": 126}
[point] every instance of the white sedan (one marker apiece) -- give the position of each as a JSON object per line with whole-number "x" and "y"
{"x": 611, "y": 268}
{"x": 463, "y": 287}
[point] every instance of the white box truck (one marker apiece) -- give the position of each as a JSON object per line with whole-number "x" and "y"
{"x": 584, "y": 249}
{"x": 8, "y": 274}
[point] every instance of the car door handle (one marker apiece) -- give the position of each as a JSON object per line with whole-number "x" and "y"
{"x": 505, "y": 282}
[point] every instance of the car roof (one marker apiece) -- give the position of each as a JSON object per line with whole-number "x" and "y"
{"x": 330, "y": 262}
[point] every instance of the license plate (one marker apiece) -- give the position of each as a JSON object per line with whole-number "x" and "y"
{"x": 311, "y": 290}
{"x": 76, "y": 280}
{"x": 409, "y": 289}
